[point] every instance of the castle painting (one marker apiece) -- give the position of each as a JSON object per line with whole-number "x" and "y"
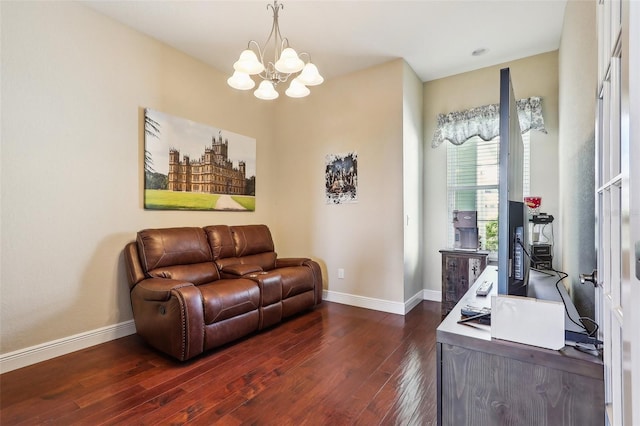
{"x": 192, "y": 166}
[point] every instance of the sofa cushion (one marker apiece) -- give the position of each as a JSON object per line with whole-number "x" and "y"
{"x": 197, "y": 273}
{"x": 241, "y": 245}
{"x": 173, "y": 246}
{"x": 252, "y": 239}
{"x": 265, "y": 261}
{"x": 177, "y": 253}
{"x": 239, "y": 269}
{"x": 220, "y": 241}
{"x": 225, "y": 299}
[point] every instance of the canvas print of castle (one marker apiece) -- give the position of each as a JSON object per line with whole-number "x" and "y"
{"x": 192, "y": 166}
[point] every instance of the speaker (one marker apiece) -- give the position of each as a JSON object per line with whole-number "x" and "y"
{"x": 542, "y": 264}
{"x": 538, "y": 250}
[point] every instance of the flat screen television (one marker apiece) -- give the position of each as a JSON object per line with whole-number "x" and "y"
{"x": 513, "y": 266}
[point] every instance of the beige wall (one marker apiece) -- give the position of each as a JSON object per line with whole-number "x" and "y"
{"x": 577, "y": 100}
{"x": 360, "y": 112}
{"x": 73, "y": 87}
{"x": 532, "y": 76}
{"x": 412, "y": 171}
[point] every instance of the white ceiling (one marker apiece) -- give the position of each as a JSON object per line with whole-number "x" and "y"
{"x": 436, "y": 38}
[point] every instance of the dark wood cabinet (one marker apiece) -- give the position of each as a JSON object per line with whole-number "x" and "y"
{"x": 460, "y": 269}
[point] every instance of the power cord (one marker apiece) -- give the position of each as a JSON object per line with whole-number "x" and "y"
{"x": 562, "y": 275}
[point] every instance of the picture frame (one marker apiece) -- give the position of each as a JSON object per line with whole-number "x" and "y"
{"x": 341, "y": 178}
{"x": 194, "y": 166}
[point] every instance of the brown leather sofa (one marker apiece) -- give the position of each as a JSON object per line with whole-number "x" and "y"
{"x": 193, "y": 289}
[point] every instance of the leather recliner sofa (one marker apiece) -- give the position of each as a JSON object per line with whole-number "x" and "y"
{"x": 193, "y": 289}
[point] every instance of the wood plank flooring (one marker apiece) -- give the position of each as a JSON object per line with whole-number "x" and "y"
{"x": 335, "y": 365}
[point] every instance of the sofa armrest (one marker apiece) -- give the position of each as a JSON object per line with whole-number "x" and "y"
{"x": 135, "y": 273}
{"x": 239, "y": 269}
{"x": 309, "y": 263}
{"x": 159, "y": 289}
{"x": 290, "y": 261}
{"x": 169, "y": 316}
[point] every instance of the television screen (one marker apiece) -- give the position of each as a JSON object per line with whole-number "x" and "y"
{"x": 513, "y": 267}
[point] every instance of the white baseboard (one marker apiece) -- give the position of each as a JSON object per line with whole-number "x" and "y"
{"x": 433, "y": 295}
{"x": 413, "y": 302}
{"x": 363, "y": 302}
{"x": 34, "y": 354}
{"x": 380, "y": 304}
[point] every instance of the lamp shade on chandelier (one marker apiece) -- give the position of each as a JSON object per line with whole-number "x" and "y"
{"x": 287, "y": 65}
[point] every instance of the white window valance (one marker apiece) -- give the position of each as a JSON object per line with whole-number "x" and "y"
{"x": 484, "y": 121}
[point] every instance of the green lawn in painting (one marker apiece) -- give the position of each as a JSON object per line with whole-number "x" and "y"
{"x": 171, "y": 200}
{"x": 246, "y": 201}
{"x": 156, "y": 199}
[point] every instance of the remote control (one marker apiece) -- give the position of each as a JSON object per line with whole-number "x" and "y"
{"x": 475, "y": 314}
{"x": 480, "y": 318}
{"x": 484, "y": 288}
{"x": 470, "y": 311}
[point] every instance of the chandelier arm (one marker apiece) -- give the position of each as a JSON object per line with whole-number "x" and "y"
{"x": 264, "y": 75}
{"x": 275, "y": 31}
{"x": 260, "y": 51}
{"x": 270, "y": 73}
{"x": 284, "y": 77}
{"x": 284, "y": 43}
{"x": 274, "y": 76}
{"x": 308, "y": 55}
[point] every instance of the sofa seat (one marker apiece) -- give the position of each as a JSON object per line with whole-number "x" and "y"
{"x": 224, "y": 299}
{"x": 230, "y": 310}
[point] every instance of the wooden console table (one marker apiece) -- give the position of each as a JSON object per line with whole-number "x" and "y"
{"x": 485, "y": 381}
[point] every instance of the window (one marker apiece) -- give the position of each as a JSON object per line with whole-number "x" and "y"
{"x": 472, "y": 184}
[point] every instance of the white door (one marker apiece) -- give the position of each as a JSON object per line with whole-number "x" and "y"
{"x": 618, "y": 206}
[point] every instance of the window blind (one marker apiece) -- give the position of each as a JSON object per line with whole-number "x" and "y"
{"x": 472, "y": 184}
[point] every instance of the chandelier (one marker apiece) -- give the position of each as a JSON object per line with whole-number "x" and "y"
{"x": 286, "y": 64}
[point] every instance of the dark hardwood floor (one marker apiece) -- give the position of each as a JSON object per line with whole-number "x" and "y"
{"x": 336, "y": 365}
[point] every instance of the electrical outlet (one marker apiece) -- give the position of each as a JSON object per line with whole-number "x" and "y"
{"x": 340, "y": 273}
